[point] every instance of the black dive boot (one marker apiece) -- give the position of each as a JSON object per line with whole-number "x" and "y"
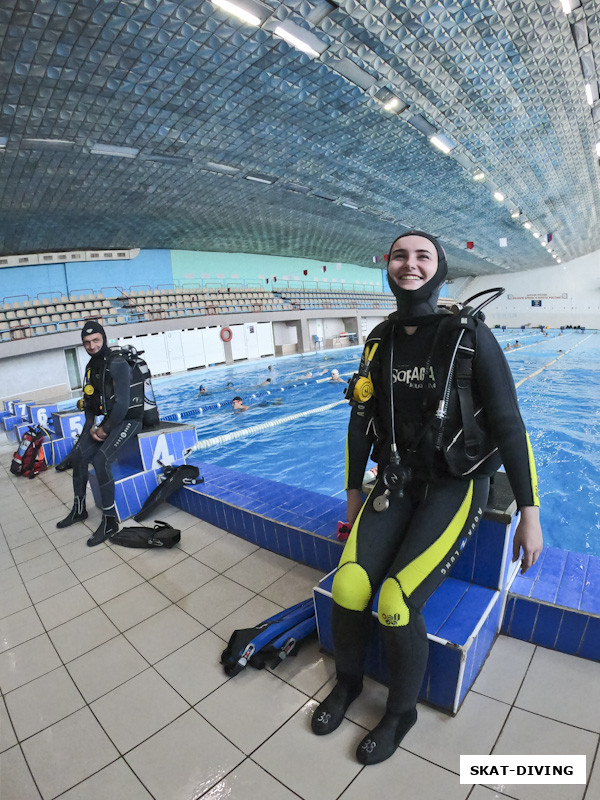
{"x": 107, "y": 527}
{"x": 76, "y": 514}
{"x": 383, "y": 741}
{"x": 329, "y": 714}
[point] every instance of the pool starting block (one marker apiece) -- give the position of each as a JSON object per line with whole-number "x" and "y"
{"x": 463, "y": 616}
{"x": 139, "y": 464}
{"x": 18, "y": 413}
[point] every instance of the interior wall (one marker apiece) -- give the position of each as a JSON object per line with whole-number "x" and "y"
{"x": 565, "y": 294}
{"x": 333, "y": 327}
{"x": 190, "y": 267}
{"x": 35, "y": 376}
{"x": 166, "y": 268}
{"x": 180, "y": 350}
{"x": 285, "y": 333}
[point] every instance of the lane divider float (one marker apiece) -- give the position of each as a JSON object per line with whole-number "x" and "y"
{"x": 204, "y": 444}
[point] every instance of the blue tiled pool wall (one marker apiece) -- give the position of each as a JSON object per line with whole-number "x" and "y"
{"x": 556, "y": 604}
{"x": 296, "y": 523}
{"x": 131, "y": 492}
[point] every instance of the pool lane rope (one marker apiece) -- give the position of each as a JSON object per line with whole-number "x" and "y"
{"x": 204, "y": 444}
{"x": 549, "y": 364}
{"x": 199, "y": 410}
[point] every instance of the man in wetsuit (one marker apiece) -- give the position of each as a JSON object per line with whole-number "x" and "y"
{"x": 110, "y": 392}
{"x": 419, "y": 514}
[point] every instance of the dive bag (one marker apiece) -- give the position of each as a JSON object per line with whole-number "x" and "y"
{"x": 29, "y": 459}
{"x": 162, "y": 535}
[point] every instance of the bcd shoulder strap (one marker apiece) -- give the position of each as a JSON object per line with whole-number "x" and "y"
{"x": 464, "y": 384}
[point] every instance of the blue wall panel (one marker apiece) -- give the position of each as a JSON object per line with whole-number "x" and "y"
{"x": 48, "y": 279}
{"x": 151, "y": 268}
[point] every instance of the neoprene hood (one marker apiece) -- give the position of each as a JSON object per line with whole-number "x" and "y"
{"x": 420, "y": 302}
{"x": 92, "y": 326}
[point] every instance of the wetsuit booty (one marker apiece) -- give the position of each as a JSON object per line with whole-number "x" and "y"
{"x": 329, "y": 714}
{"x": 107, "y": 527}
{"x": 76, "y": 514}
{"x": 383, "y": 740}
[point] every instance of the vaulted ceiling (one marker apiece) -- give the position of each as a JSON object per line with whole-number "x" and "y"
{"x": 145, "y": 123}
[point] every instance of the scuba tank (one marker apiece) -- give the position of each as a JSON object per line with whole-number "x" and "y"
{"x": 133, "y": 357}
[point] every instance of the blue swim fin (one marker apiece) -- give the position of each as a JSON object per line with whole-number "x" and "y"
{"x": 244, "y": 643}
{"x": 287, "y": 644}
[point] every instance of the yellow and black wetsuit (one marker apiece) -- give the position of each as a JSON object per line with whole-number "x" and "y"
{"x": 405, "y": 549}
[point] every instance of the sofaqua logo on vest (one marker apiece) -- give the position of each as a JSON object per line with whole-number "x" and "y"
{"x": 415, "y": 377}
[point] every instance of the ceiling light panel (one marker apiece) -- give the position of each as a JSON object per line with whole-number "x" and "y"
{"x": 189, "y": 81}
{"x": 248, "y": 11}
{"x": 354, "y": 73}
{"x": 300, "y": 38}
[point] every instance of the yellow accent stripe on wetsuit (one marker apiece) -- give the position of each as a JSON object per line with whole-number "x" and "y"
{"x": 349, "y": 552}
{"x": 368, "y": 358}
{"x": 533, "y": 473}
{"x": 351, "y": 585}
{"x": 347, "y": 465}
{"x": 421, "y": 567}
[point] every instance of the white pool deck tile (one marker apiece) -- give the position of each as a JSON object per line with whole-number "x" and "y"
{"x": 112, "y": 687}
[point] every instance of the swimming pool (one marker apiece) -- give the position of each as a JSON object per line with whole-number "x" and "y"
{"x": 560, "y": 406}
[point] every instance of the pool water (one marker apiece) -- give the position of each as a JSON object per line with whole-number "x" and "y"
{"x": 560, "y": 407}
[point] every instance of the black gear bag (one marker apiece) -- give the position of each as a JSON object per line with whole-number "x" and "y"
{"x": 162, "y": 535}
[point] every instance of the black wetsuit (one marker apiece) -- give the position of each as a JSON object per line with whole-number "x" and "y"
{"x": 405, "y": 549}
{"x": 114, "y": 394}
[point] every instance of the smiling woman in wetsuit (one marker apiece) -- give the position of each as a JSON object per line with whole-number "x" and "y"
{"x": 420, "y": 508}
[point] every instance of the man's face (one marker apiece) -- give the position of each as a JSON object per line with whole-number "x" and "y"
{"x": 93, "y": 343}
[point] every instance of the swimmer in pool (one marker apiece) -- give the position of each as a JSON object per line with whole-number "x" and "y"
{"x": 237, "y": 404}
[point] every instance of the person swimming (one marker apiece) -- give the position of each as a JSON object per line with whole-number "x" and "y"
{"x": 237, "y": 404}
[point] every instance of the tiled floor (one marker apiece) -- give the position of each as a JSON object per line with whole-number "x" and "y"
{"x": 112, "y": 688}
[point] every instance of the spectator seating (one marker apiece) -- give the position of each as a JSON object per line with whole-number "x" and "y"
{"x": 33, "y": 317}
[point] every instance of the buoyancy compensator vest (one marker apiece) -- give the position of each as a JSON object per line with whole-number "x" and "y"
{"x": 456, "y": 433}
{"x": 99, "y": 393}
